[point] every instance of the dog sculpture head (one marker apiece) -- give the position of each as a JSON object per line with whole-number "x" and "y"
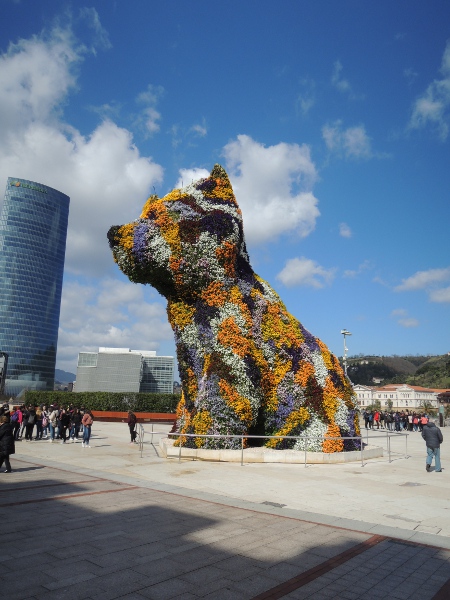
{"x": 186, "y": 240}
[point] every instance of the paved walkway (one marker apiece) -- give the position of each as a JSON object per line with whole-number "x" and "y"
{"x": 103, "y": 523}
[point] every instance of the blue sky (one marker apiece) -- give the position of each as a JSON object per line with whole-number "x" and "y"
{"x": 331, "y": 118}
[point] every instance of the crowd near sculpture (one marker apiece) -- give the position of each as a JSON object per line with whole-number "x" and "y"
{"x": 246, "y": 365}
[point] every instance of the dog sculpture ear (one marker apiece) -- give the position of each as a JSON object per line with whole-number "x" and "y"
{"x": 218, "y": 172}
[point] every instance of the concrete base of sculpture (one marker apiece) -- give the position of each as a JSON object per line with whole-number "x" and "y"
{"x": 266, "y": 455}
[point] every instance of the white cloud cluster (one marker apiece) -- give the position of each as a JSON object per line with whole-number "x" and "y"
{"x": 351, "y": 143}
{"x": 273, "y": 186}
{"x": 344, "y": 230}
{"x": 103, "y": 173}
{"x": 428, "y": 281}
{"x": 337, "y": 80}
{"x": 187, "y": 176}
{"x": 433, "y": 106}
{"x": 402, "y": 318}
{"x": 305, "y": 272}
{"x": 113, "y": 314}
{"x": 149, "y": 117}
{"x": 352, "y": 273}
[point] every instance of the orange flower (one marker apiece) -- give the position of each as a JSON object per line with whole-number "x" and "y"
{"x": 240, "y": 405}
{"x": 215, "y": 294}
{"x": 226, "y": 255}
{"x": 305, "y": 371}
{"x": 333, "y": 445}
{"x": 230, "y": 335}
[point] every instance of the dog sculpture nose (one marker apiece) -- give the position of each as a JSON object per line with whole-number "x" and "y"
{"x": 112, "y": 233}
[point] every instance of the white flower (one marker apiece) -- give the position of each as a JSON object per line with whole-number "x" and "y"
{"x": 313, "y": 436}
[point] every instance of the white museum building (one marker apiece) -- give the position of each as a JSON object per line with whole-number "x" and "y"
{"x": 403, "y": 396}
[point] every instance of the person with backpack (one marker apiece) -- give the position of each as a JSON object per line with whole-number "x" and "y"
{"x": 7, "y": 446}
{"x": 87, "y": 421}
{"x": 132, "y": 420}
{"x": 433, "y": 438}
{"x": 45, "y": 426}
{"x": 52, "y": 422}
{"x": 16, "y": 422}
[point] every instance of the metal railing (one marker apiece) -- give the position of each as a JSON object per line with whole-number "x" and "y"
{"x": 387, "y": 436}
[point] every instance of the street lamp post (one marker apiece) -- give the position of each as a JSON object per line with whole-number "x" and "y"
{"x": 344, "y": 360}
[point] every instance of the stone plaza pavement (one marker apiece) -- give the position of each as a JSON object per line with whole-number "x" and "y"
{"x": 104, "y": 523}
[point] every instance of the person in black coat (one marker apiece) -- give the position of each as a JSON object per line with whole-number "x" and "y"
{"x": 433, "y": 439}
{"x": 6, "y": 443}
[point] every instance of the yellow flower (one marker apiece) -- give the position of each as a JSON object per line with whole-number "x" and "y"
{"x": 296, "y": 418}
{"x": 180, "y": 314}
{"x": 240, "y": 405}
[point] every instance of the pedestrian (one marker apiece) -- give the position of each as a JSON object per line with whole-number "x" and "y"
{"x": 64, "y": 419}
{"x": 52, "y": 422}
{"x": 87, "y": 421}
{"x": 376, "y": 418}
{"x": 45, "y": 425}
{"x": 16, "y": 421}
{"x": 433, "y": 439}
{"x": 132, "y": 420}
{"x": 30, "y": 424}
{"x": 75, "y": 424}
{"x": 6, "y": 443}
{"x": 24, "y": 421}
{"x": 39, "y": 418}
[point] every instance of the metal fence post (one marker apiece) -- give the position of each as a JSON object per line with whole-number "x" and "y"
{"x": 406, "y": 446}
{"x": 179, "y": 450}
{"x": 306, "y": 447}
{"x": 242, "y": 450}
{"x": 362, "y": 451}
{"x": 389, "y": 449}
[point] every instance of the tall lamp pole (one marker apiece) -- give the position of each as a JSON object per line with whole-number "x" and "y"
{"x": 344, "y": 360}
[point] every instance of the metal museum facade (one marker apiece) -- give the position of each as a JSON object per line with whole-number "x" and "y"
{"x": 33, "y": 231}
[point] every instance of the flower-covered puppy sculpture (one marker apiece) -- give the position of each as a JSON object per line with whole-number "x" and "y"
{"x": 246, "y": 365}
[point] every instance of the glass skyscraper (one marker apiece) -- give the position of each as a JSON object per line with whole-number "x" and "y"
{"x": 33, "y": 230}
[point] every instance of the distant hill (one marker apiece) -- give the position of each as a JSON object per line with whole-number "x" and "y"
{"x": 64, "y": 376}
{"x": 426, "y": 371}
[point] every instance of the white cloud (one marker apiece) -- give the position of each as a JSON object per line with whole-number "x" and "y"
{"x": 103, "y": 173}
{"x": 432, "y": 107}
{"x": 187, "y": 176}
{"x": 273, "y": 186}
{"x": 306, "y": 272}
{"x": 112, "y": 313}
{"x": 306, "y": 99}
{"x": 423, "y": 279}
{"x": 199, "y": 129}
{"x": 402, "y": 318}
{"x": 352, "y": 142}
{"x": 408, "y": 322}
{"x": 352, "y": 273}
{"x": 150, "y": 117}
{"x": 440, "y": 295}
{"x": 341, "y": 84}
{"x": 344, "y": 230}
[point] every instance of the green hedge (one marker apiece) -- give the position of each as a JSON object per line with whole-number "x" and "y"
{"x": 164, "y": 403}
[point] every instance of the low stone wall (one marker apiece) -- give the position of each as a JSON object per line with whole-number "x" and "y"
{"x": 267, "y": 455}
{"x": 142, "y": 417}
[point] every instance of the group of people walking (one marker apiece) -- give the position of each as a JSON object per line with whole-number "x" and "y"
{"x": 35, "y": 423}
{"x": 394, "y": 420}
